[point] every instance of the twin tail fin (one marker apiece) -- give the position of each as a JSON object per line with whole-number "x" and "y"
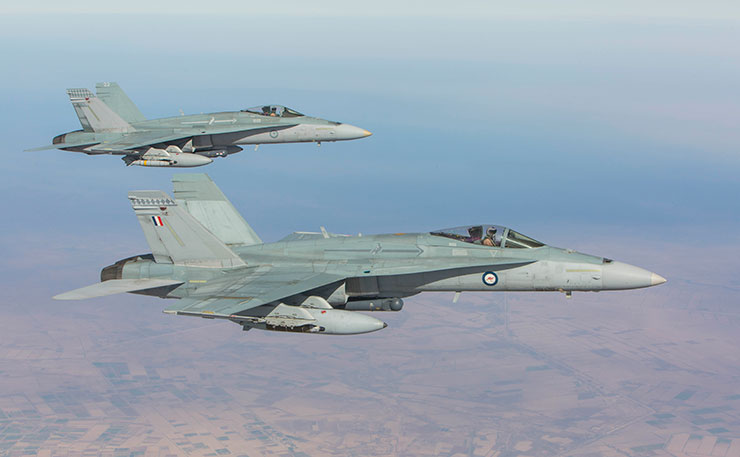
{"x": 110, "y": 110}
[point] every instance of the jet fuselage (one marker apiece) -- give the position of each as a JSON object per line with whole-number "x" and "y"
{"x": 376, "y": 266}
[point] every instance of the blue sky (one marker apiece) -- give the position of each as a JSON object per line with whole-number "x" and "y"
{"x": 567, "y": 123}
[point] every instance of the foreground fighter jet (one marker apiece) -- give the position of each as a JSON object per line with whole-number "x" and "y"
{"x": 209, "y": 259}
{"x": 112, "y": 124}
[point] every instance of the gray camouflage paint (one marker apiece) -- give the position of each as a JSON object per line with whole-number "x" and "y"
{"x": 207, "y": 256}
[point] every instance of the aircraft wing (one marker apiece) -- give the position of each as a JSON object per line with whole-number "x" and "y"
{"x": 137, "y": 140}
{"x": 223, "y": 298}
{"x": 129, "y": 142}
{"x": 226, "y": 297}
{"x": 125, "y": 143}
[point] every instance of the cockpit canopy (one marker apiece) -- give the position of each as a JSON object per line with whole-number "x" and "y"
{"x": 273, "y": 111}
{"x": 489, "y": 235}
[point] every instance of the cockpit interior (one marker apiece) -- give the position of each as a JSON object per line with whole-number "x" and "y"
{"x": 489, "y": 235}
{"x": 273, "y": 111}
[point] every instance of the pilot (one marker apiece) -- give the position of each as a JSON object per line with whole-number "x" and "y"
{"x": 273, "y": 112}
{"x": 266, "y": 110}
{"x": 490, "y": 238}
{"x": 475, "y": 234}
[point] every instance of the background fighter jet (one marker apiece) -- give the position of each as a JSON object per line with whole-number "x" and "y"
{"x": 205, "y": 255}
{"x": 112, "y": 124}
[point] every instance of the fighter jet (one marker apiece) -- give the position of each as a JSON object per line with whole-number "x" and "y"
{"x": 112, "y": 124}
{"x": 206, "y": 257}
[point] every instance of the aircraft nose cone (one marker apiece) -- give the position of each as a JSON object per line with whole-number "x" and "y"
{"x": 618, "y": 275}
{"x": 350, "y": 132}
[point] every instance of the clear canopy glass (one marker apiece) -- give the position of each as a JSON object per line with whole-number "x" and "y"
{"x": 274, "y": 111}
{"x": 489, "y": 235}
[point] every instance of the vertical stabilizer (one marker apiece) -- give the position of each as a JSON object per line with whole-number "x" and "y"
{"x": 202, "y": 198}
{"x": 95, "y": 116}
{"x": 175, "y": 236}
{"x": 112, "y": 95}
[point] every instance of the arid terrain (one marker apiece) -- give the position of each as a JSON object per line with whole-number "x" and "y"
{"x": 647, "y": 372}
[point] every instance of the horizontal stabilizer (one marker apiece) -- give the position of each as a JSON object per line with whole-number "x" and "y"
{"x": 59, "y": 146}
{"x": 115, "y": 286}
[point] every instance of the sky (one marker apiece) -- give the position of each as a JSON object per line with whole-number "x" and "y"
{"x": 717, "y": 9}
{"x": 568, "y": 123}
{"x": 546, "y": 119}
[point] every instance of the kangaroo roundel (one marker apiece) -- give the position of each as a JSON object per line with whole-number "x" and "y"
{"x": 490, "y": 278}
